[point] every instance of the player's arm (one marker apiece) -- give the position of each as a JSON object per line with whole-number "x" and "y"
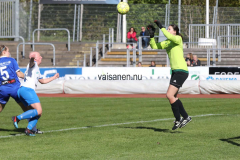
{"x": 155, "y": 45}
{"x": 174, "y": 39}
{"x": 17, "y": 69}
{"x": 47, "y": 80}
{"x": 20, "y": 74}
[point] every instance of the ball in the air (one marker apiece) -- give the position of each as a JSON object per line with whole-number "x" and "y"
{"x": 123, "y": 8}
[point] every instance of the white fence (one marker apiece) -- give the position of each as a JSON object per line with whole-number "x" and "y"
{"x": 9, "y": 18}
{"x": 212, "y": 31}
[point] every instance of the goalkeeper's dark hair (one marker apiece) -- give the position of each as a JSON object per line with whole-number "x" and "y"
{"x": 175, "y": 28}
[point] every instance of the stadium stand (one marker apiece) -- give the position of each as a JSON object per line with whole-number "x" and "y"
{"x": 115, "y": 58}
{"x": 63, "y": 57}
{"x": 118, "y": 57}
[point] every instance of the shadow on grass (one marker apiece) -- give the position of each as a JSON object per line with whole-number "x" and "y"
{"x": 19, "y": 130}
{"x": 15, "y": 130}
{"x": 232, "y": 140}
{"x": 155, "y": 129}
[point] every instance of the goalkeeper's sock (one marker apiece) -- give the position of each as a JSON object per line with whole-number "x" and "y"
{"x": 28, "y": 114}
{"x": 175, "y": 110}
{"x": 181, "y": 109}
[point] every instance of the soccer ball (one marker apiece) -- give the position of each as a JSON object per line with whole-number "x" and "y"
{"x": 123, "y": 8}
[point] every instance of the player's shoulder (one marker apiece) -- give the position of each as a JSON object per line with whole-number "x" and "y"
{"x": 8, "y": 58}
{"x": 178, "y": 37}
{"x": 7, "y": 61}
{"x": 35, "y": 68}
{"x": 35, "y": 65}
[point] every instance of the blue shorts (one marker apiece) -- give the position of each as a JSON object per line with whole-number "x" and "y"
{"x": 6, "y": 93}
{"x": 27, "y": 96}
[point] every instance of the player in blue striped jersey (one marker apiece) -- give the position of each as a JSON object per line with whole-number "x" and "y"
{"x": 9, "y": 82}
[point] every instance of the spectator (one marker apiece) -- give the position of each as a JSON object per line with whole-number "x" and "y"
{"x": 131, "y": 36}
{"x": 145, "y": 40}
{"x": 195, "y": 61}
{"x": 88, "y": 64}
{"x": 153, "y": 64}
{"x": 189, "y": 59}
{"x": 94, "y": 59}
{"x": 139, "y": 64}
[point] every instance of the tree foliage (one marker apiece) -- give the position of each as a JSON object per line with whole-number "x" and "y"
{"x": 97, "y": 19}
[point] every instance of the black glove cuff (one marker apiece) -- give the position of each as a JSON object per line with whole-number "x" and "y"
{"x": 158, "y": 23}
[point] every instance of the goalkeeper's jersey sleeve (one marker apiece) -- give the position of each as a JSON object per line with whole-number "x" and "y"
{"x": 174, "y": 48}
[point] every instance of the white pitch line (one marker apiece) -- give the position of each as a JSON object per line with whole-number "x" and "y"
{"x": 114, "y": 124}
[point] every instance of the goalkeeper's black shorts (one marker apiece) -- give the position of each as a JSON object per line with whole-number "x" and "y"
{"x": 178, "y": 78}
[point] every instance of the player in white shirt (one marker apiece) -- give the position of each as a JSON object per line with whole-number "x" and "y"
{"x": 32, "y": 76}
{"x": 27, "y": 94}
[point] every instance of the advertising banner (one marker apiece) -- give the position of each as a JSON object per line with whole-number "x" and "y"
{"x": 220, "y": 77}
{"x": 79, "y": 1}
{"x": 224, "y": 71}
{"x": 49, "y": 72}
{"x": 118, "y": 73}
{"x": 121, "y": 73}
{"x": 143, "y": 73}
{"x": 195, "y": 72}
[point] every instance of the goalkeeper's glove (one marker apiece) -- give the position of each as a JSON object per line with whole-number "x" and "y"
{"x": 151, "y": 30}
{"x": 158, "y": 23}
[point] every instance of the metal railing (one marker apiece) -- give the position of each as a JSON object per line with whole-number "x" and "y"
{"x": 91, "y": 56}
{"x": 140, "y": 46}
{"x": 197, "y": 31}
{"x": 83, "y": 65}
{"x": 128, "y": 58}
{"x": 228, "y": 43}
{"x": 110, "y": 41}
{"x": 51, "y": 29}
{"x": 140, "y": 49}
{"x": 84, "y": 60}
{"x": 135, "y": 49}
{"x": 213, "y": 48}
{"x": 16, "y": 37}
{"x": 38, "y": 44}
{"x": 104, "y": 43}
{"x": 110, "y": 38}
{"x": 9, "y": 18}
{"x": 214, "y": 54}
{"x": 232, "y": 41}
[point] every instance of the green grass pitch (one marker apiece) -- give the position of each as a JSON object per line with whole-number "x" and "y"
{"x": 124, "y": 128}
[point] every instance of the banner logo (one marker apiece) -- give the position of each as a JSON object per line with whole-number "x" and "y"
{"x": 194, "y": 77}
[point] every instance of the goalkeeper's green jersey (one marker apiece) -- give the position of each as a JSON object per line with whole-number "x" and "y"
{"x": 174, "y": 48}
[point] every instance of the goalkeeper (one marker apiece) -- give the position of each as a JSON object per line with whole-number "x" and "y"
{"x": 174, "y": 48}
